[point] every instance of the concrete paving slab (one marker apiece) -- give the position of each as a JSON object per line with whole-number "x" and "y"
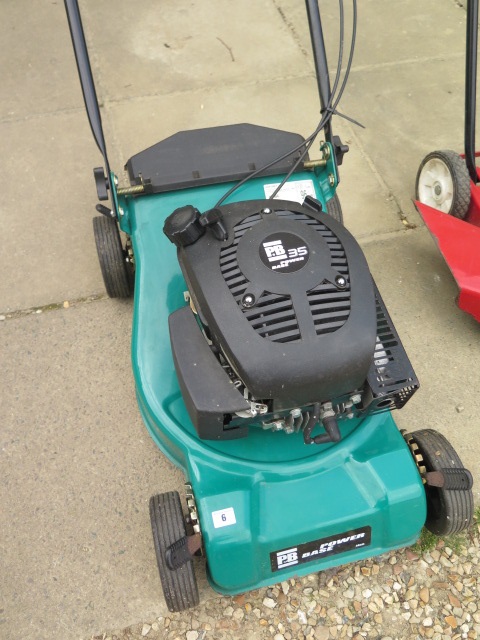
{"x": 368, "y": 206}
{"x": 187, "y": 46}
{"x": 47, "y": 206}
{"x": 78, "y": 469}
{"x": 387, "y": 33}
{"x": 36, "y": 60}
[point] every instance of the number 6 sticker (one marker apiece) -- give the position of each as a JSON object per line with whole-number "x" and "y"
{"x": 223, "y": 517}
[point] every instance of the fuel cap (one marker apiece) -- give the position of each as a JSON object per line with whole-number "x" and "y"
{"x": 182, "y": 227}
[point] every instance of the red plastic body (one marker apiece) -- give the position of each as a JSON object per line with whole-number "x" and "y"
{"x": 459, "y": 242}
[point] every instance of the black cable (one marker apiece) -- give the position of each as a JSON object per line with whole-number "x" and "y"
{"x": 331, "y": 109}
{"x": 332, "y": 93}
{"x": 267, "y": 166}
{"x": 305, "y": 142}
{"x": 340, "y": 49}
{"x": 327, "y": 113}
{"x": 349, "y": 64}
{"x": 292, "y": 170}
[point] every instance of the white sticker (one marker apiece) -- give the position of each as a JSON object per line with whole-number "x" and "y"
{"x": 223, "y": 518}
{"x": 293, "y": 191}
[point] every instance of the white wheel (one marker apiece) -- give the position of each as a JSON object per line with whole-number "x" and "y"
{"x": 443, "y": 183}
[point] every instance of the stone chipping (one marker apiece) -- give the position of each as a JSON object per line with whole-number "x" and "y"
{"x": 402, "y": 595}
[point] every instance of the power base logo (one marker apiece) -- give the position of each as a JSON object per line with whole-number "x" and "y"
{"x": 284, "y": 252}
{"x": 321, "y": 548}
{"x": 287, "y": 558}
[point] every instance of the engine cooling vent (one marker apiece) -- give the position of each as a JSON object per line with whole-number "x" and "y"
{"x": 391, "y": 378}
{"x": 329, "y": 307}
{"x": 236, "y": 281}
{"x": 273, "y": 316}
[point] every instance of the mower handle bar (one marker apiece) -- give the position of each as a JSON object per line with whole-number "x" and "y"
{"x": 471, "y": 87}
{"x": 320, "y": 59}
{"x": 87, "y": 83}
{"x": 90, "y": 95}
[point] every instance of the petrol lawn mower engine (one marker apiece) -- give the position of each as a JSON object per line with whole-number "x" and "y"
{"x": 285, "y": 329}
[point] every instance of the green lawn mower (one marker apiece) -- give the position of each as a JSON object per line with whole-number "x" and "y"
{"x": 266, "y": 364}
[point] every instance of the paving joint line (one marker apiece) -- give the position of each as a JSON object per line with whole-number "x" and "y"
{"x": 389, "y": 193}
{"x": 291, "y": 27}
{"x": 111, "y": 100}
{"x": 53, "y": 306}
{"x": 408, "y": 61}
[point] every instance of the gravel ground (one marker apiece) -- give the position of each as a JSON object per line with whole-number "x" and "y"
{"x": 401, "y": 595}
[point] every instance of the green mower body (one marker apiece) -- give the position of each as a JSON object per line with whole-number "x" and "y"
{"x": 269, "y": 506}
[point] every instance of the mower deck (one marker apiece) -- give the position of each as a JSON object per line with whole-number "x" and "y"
{"x": 269, "y": 506}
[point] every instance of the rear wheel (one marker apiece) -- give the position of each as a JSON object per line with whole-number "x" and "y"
{"x": 443, "y": 183}
{"x": 168, "y": 525}
{"x": 334, "y": 209}
{"x": 448, "y": 511}
{"x": 112, "y": 258}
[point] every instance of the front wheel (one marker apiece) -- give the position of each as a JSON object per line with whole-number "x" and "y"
{"x": 168, "y": 525}
{"x": 443, "y": 183}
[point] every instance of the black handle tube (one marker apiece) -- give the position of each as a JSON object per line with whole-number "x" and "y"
{"x": 85, "y": 72}
{"x": 86, "y": 78}
{"x": 320, "y": 59}
{"x": 471, "y": 87}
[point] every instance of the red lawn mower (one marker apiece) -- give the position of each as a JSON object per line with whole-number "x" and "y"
{"x": 448, "y": 191}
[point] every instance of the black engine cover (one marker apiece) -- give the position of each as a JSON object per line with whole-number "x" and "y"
{"x": 288, "y": 299}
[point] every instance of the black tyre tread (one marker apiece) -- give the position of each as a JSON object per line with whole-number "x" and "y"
{"x": 334, "y": 208}
{"x": 111, "y": 257}
{"x": 461, "y": 180}
{"x": 456, "y": 506}
{"x": 179, "y": 586}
